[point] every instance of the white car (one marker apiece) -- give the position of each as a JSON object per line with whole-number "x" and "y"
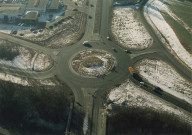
{"x": 85, "y": 43}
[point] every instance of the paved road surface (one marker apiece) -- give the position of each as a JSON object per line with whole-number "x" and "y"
{"x": 89, "y": 92}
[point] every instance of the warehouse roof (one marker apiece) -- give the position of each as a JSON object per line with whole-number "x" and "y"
{"x": 30, "y": 16}
{"x": 12, "y": 9}
{"x": 54, "y": 4}
{"x": 37, "y": 4}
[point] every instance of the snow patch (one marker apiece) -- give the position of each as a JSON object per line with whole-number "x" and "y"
{"x": 13, "y": 79}
{"x": 164, "y": 76}
{"x": 128, "y": 30}
{"x": 42, "y": 62}
{"x": 135, "y": 96}
{"x": 151, "y": 9}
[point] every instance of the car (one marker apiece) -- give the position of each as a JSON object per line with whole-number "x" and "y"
{"x": 87, "y": 3}
{"x": 108, "y": 38}
{"x": 128, "y": 51}
{"x": 14, "y": 32}
{"x": 74, "y": 9}
{"x": 142, "y": 83}
{"x": 55, "y": 24}
{"x": 92, "y": 5}
{"x": 21, "y": 34}
{"x": 41, "y": 30}
{"x": 112, "y": 68}
{"x": 137, "y": 77}
{"x": 90, "y": 17}
{"x": 32, "y": 29}
{"x": 100, "y": 75}
{"x": 85, "y": 43}
{"x": 60, "y": 21}
{"x": 158, "y": 90}
{"x": 114, "y": 49}
{"x": 51, "y": 27}
{"x": 50, "y": 19}
{"x": 35, "y": 31}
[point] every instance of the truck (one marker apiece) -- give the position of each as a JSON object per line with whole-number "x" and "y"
{"x": 131, "y": 70}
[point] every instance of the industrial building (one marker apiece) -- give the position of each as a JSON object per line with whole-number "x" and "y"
{"x": 31, "y": 11}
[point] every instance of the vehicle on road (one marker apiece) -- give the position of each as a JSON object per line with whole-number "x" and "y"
{"x": 128, "y": 51}
{"x": 41, "y": 30}
{"x": 85, "y": 42}
{"x": 131, "y": 70}
{"x": 108, "y": 38}
{"x": 74, "y": 9}
{"x": 114, "y": 49}
{"x": 158, "y": 90}
{"x": 137, "y": 77}
{"x": 90, "y": 17}
{"x": 14, "y": 32}
{"x": 100, "y": 75}
{"x": 50, "y": 27}
{"x": 35, "y": 31}
{"x": 21, "y": 34}
{"x": 112, "y": 68}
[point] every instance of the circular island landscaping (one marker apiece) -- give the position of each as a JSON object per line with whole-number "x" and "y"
{"x": 93, "y": 63}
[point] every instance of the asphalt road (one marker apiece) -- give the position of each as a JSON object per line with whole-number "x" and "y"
{"x": 89, "y": 92}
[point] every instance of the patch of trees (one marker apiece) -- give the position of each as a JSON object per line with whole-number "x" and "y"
{"x": 31, "y": 110}
{"x": 77, "y": 121}
{"x": 8, "y": 52}
{"x": 146, "y": 121}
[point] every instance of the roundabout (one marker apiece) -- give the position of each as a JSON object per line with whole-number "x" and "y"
{"x": 93, "y": 63}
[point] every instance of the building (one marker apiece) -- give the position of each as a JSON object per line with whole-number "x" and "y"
{"x": 9, "y": 12}
{"x": 29, "y": 12}
{"x": 37, "y": 5}
{"x": 43, "y": 6}
{"x": 31, "y": 17}
{"x": 53, "y": 6}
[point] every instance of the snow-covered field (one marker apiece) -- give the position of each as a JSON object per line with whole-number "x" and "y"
{"x": 13, "y": 79}
{"x": 26, "y": 82}
{"x": 27, "y": 59}
{"x": 163, "y": 7}
{"x": 42, "y": 62}
{"x": 135, "y": 96}
{"x": 153, "y": 15}
{"x": 164, "y": 76}
{"x": 128, "y": 29}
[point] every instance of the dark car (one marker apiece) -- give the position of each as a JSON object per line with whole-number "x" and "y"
{"x": 90, "y": 17}
{"x": 21, "y": 34}
{"x": 114, "y": 49}
{"x": 137, "y": 77}
{"x": 158, "y": 90}
{"x": 128, "y": 51}
{"x": 14, "y": 32}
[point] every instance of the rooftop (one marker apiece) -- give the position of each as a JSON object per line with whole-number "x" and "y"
{"x": 30, "y": 16}
{"x": 12, "y": 9}
{"x": 54, "y": 4}
{"x": 37, "y": 4}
